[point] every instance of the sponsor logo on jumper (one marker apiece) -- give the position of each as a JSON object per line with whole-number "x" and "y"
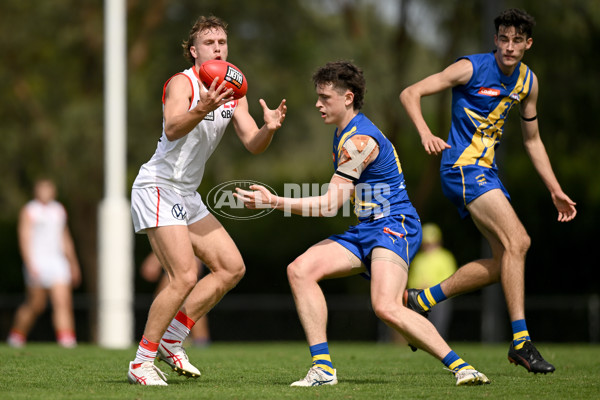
{"x": 489, "y": 92}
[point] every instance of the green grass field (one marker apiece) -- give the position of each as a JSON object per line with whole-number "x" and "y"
{"x": 265, "y": 370}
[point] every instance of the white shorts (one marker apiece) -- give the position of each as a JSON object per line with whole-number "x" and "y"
{"x": 156, "y": 206}
{"x": 50, "y": 271}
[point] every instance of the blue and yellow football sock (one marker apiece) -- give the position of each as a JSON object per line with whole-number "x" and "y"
{"x": 520, "y": 333}
{"x": 321, "y": 358}
{"x": 454, "y": 363}
{"x": 431, "y": 296}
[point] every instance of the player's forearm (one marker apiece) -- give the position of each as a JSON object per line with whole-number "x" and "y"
{"x": 317, "y": 206}
{"x": 260, "y": 140}
{"x": 541, "y": 162}
{"x": 411, "y": 101}
{"x": 178, "y": 126}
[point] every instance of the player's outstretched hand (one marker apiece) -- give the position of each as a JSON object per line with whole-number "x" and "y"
{"x": 565, "y": 206}
{"x": 274, "y": 118}
{"x": 434, "y": 144}
{"x": 257, "y": 198}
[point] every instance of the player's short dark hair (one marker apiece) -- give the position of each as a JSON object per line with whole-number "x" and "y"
{"x": 202, "y": 23}
{"x": 519, "y": 19}
{"x": 343, "y": 75}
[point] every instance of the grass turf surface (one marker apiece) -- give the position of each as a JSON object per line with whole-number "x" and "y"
{"x": 265, "y": 370}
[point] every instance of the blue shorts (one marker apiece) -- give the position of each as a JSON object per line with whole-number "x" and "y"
{"x": 398, "y": 233}
{"x": 464, "y": 184}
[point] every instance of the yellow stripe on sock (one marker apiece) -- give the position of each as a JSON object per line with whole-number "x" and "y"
{"x": 458, "y": 362}
{"x": 325, "y": 357}
{"x": 520, "y": 336}
{"x": 326, "y": 368}
{"x": 422, "y": 303}
{"x": 430, "y": 298}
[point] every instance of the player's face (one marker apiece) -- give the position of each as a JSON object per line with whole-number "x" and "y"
{"x": 210, "y": 44}
{"x": 333, "y": 104}
{"x": 45, "y": 191}
{"x": 510, "y": 47}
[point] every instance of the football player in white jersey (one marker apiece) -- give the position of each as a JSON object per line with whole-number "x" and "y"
{"x": 166, "y": 206}
{"x": 50, "y": 265}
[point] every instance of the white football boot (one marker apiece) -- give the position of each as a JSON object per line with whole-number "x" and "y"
{"x": 173, "y": 353}
{"x": 470, "y": 377}
{"x": 146, "y": 373}
{"x": 317, "y": 377}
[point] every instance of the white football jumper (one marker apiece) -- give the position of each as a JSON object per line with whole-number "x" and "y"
{"x": 45, "y": 244}
{"x": 179, "y": 164}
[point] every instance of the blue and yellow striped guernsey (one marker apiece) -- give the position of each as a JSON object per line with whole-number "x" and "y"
{"x": 381, "y": 187}
{"x": 479, "y": 109}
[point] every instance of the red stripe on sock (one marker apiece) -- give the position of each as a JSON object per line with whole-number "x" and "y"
{"x": 185, "y": 320}
{"x": 148, "y": 345}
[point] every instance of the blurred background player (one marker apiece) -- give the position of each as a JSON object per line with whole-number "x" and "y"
{"x": 432, "y": 264}
{"x": 51, "y": 268}
{"x": 152, "y": 271}
{"x": 166, "y": 206}
{"x": 484, "y": 89}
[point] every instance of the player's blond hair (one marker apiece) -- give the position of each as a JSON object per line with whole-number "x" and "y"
{"x": 202, "y": 23}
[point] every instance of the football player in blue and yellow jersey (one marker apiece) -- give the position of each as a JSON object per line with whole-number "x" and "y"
{"x": 382, "y": 243}
{"x": 484, "y": 88}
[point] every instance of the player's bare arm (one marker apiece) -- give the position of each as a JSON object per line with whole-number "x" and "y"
{"x": 254, "y": 139}
{"x": 69, "y": 250}
{"x": 539, "y": 157}
{"x": 326, "y": 205}
{"x": 24, "y": 232}
{"x": 357, "y": 153}
{"x": 455, "y": 74}
{"x": 178, "y": 95}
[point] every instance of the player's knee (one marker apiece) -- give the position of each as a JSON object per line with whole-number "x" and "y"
{"x": 520, "y": 244}
{"x": 385, "y": 310}
{"x": 184, "y": 282}
{"x": 297, "y": 271}
{"x": 232, "y": 275}
{"x": 236, "y": 274}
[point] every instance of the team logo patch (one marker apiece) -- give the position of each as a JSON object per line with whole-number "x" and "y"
{"x": 481, "y": 179}
{"x": 178, "y": 212}
{"x": 488, "y": 92}
{"x": 234, "y": 77}
{"x": 392, "y": 233}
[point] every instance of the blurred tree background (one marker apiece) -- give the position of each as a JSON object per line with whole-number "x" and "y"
{"x": 51, "y": 117}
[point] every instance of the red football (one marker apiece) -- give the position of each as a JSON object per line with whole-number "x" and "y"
{"x": 209, "y": 70}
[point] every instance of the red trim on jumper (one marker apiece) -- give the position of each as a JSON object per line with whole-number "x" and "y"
{"x": 148, "y": 345}
{"x": 169, "y": 80}
{"x": 157, "y": 205}
{"x": 185, "y": 320}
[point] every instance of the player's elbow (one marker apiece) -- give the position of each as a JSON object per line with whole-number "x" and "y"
{"x": 406, "y": 95}
{"x": 171, "y": 134}
{"x": 255, "y": 151}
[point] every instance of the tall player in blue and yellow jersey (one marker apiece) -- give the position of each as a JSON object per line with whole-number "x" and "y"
{"x": 484, "y": 88}
{"x": 381, "y": 245}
